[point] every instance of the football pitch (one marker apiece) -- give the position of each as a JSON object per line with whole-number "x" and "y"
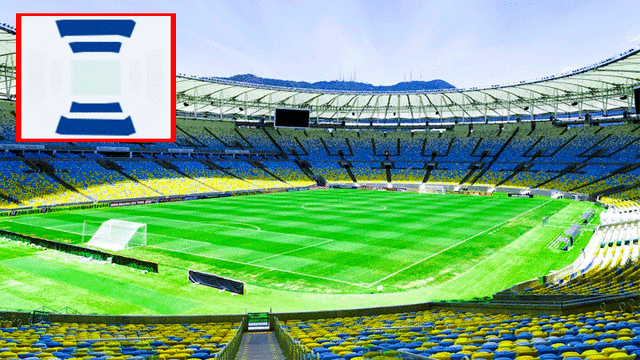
{"x": 328, "y": 241}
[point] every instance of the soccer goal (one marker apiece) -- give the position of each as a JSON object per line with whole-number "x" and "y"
{"x": 431, "y": 189}
{"x": 114, "y": 234}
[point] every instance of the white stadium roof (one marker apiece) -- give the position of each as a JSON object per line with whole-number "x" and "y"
{"x": 605, "y": 86}
{"x": 602, "y": 87}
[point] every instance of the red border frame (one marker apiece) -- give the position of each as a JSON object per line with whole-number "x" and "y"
{"x": 19, "y": 88}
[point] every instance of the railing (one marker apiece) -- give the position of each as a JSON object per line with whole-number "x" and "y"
{"x": 291, "y": 349}
{"x": 231, "y": 349}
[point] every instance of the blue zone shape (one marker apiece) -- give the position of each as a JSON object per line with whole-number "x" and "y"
{"x": 98, "y": 127}
{"x": 93, "y": 27}
{"x": 77, "y": 107}
{"x": 95, "y": 46}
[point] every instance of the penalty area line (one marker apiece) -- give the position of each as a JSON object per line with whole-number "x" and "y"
{"x": 47, "y": 227}
{"x": 456, "y": 244}
{"x": 262, "y": 266}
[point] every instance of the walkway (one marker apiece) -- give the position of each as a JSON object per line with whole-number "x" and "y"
{"x": 259, "y": 346}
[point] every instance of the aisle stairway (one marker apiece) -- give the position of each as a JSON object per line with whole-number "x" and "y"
{"x": 259, "y": 346}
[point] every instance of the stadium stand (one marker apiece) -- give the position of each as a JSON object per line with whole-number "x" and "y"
{"x": 213, "y": 176}
{"x": 289, "y": 172}
{"x": 330, "y": 170}
{"x": 218, "y": 156}
{"x": 51, "y": 340}
{"x": 98, "y": 183}
{"x": 451, "y": 335}
{"x": 609, "y": 262}
{"x": 160, "y": 179}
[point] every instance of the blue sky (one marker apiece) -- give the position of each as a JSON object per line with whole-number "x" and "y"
{"x": 467, "y": 43}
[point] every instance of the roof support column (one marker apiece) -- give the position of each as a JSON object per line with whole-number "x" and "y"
{"x": 246, "y": 98}
{"x": 220, "y": 103}
{"x": 486, "y": 109}
{"x": 398, "y": 111}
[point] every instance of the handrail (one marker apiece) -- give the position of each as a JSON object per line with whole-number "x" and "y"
{"x": 291, "y": 349}
{"x": 231, "y": 349}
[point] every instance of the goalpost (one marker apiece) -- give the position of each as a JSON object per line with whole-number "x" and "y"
{"x": 114, "y": 234}
{"x": 431, "y": 189}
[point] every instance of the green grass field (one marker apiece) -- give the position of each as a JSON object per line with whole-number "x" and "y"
{"x": 296, "y": 251}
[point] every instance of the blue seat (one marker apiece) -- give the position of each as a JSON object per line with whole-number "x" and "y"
{"x": 550, "y": 357}
{"x": 545, "y": 349}
{"x": 489, "y": 345}
{"x": 619, "y": 344}
{"x": 564, "y": 348}
{"x": 525, "y": 335}
{"x": 460, "y": 356}
{"x": 505, "y": 354}
{"x": 198, "y": 356}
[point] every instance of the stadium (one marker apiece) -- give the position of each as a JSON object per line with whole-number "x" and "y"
{"x": 288, "y": 222}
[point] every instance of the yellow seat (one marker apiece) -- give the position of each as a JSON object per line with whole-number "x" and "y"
{"x": 482, "y": 355}
{"x": 567, "y": 354}
{"x": 442, "y": 356}
{"x": 610, "y": 350}
{"x": 622, "y": 356}
{"x": 589, "y": 354}
{"x": 526, "y": 351}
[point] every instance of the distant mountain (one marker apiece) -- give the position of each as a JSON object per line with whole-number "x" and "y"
{"x": 345, "y": 85}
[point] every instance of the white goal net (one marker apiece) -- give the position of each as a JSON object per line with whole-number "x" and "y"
{"x": 431, "y": 189}
{"x": 114, "y": 234}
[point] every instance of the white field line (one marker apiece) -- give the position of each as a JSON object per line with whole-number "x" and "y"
{"x": 456, "y": 244}
{"x": 66, "y": 225}
{"x": 290, "y": 251}
{"x": 239, "y": 228}
{"x": 255, "y": 265}
{"x": 47, "y": 227}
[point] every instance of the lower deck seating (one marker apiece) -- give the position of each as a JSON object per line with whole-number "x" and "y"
{"x": 32, "y": 188}
{"x": 252, "y": 174}
{"x": 98, "y": 183}
{"x": 610, "y": 278}
{"x": 162, "y": 180}
{"x": 53, "y": 341}
{"x": 609, "y": 264}
{"x": 331, "y": 171}
{"x": 214, "y": 178}
{"x": 289, "y": 172}
{"x": 409, "y": 174}
{"x": 448, "y": 335}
